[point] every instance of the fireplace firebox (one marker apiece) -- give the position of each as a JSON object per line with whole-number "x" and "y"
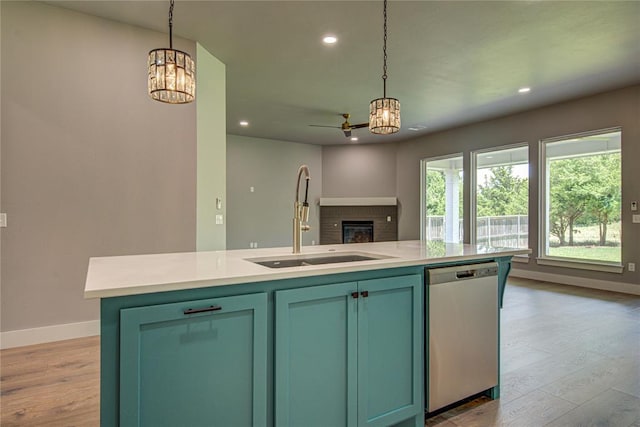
{"x": 357, "y": 231}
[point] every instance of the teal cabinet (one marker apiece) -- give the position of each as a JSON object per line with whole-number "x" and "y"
{"x": 195, "y": 363}
{"x": 349, "y": 354}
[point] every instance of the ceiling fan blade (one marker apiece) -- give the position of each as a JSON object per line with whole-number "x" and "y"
{"x": 323, "y": 126}
{"x": 360, "y": 125}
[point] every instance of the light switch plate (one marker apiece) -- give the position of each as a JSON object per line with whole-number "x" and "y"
{"x": 634, "y": 206}
{"x": 3, "y": 219}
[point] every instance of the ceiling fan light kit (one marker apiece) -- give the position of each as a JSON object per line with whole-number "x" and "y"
{"x": 172, "y": 77}
{"x": 384, "y": 113}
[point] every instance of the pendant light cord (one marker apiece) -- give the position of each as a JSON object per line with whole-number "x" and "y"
{"x": 171, "y": 25}
{"x": 384, "y": 50}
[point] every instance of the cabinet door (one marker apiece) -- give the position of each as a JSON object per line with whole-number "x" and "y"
{"x": 196, "y": 363}
{"x": 390, "y": 368}
{"x": 315, "y": 353}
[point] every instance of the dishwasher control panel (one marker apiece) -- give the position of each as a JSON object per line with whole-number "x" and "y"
{"x": 461, "y": 272}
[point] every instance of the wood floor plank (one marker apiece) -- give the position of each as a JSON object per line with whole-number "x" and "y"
{"x": 53, "y": 384}
{"x": 609, "y": 409}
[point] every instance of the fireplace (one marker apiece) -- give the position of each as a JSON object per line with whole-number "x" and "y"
{"x": 358, "y": 219}
{"x": 357, "y": 231}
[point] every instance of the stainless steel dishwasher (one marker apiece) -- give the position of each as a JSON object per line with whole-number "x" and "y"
{"x": 463, "y": 332}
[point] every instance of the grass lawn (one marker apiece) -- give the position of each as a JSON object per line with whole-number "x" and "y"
{"x": 598, "y": 253}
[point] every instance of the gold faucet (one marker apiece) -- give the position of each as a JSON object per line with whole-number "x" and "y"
{"x": 300, "y": 210}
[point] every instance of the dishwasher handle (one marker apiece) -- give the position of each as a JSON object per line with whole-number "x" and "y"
{"x": 465, "y": 274}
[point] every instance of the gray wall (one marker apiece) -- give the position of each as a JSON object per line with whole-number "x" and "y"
{"x": 359, "y": 170}
{"x": 270, "y": 167}
{"x": 615, "y": 108}
{"x": 90, "y": 164}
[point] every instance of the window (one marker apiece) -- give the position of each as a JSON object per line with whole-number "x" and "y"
{"x": 581, "y": 198}
{"x": 501, "y": 197}
{"x": 442, "y": 199}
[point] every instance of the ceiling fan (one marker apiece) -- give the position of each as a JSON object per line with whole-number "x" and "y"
{"x": 346, "y": 126}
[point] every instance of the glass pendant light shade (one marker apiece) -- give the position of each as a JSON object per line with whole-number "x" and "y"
{"x": 171, "y": 76}
{"x": 384, "y": 116}
{"x": 384, "y": 113}
{"x": 172, "y": 73}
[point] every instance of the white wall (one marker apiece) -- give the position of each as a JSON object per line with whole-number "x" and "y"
{"x": 91, "y": 166}
{"x": 265, "y": 215}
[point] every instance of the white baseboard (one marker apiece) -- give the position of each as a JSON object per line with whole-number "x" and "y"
{"x": 45, "y": 334}
{"x": 605, "y": 285}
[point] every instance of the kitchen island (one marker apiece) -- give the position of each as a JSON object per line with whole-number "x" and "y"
{"x": 213, "y": 338}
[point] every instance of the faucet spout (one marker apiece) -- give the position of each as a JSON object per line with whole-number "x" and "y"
{"x": 301, "y": 210}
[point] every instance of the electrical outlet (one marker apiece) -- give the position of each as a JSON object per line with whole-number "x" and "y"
{"x": 635, "y": 219}
{"x": 632, "y": 266}
{"x": 3, "y": 219}
{"x": 219, "y": 219}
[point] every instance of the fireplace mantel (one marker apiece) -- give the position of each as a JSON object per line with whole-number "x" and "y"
{"x": 358, "y": 201}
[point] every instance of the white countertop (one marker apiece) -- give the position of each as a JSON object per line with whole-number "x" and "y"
{"x": 142, "y": 274}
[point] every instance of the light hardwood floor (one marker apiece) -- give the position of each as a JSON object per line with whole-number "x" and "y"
{"x": 570, "y": 357}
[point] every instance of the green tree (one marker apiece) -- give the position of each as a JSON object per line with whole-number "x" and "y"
{"x": 584, "y": 191}
{"x": 604, "y": 189}
{"x": 503, "y": 193}
{"x": 569, "y": 193}
{"x": 435, "y": 189}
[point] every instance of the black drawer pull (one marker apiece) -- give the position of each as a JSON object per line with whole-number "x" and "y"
{"x": 202, "y": 310}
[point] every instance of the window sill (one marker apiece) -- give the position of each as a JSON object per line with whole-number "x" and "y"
{"x": 521, "y": 258}
{"x": 581, "y": 265}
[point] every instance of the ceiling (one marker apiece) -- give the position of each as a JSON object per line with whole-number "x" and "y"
{"x": 449, "y": 62}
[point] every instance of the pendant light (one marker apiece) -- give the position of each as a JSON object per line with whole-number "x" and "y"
{"x": 171, "y": 72}
{"x": 384, "y": 113}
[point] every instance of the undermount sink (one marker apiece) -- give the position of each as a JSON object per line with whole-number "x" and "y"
{"x": 315, "y": 259}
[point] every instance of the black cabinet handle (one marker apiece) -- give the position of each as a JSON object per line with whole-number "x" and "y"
{"x": 364, "y": 294}
{"x": 354, "y": 294}
{"x": 202, "y": 310}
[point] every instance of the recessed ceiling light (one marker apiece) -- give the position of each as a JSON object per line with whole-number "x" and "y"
{"x": 354, "y": 138}
{"x": 417, "y": 128}
{"x": 524, "y": 90}
{"x": 244, "y": 123}
{"x": 329, "y": 39}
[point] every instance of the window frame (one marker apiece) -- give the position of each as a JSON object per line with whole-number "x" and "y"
{"x": 473, "y": 197}
{"x": 423, "y": 188}
{"x": 543, "y": 218}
